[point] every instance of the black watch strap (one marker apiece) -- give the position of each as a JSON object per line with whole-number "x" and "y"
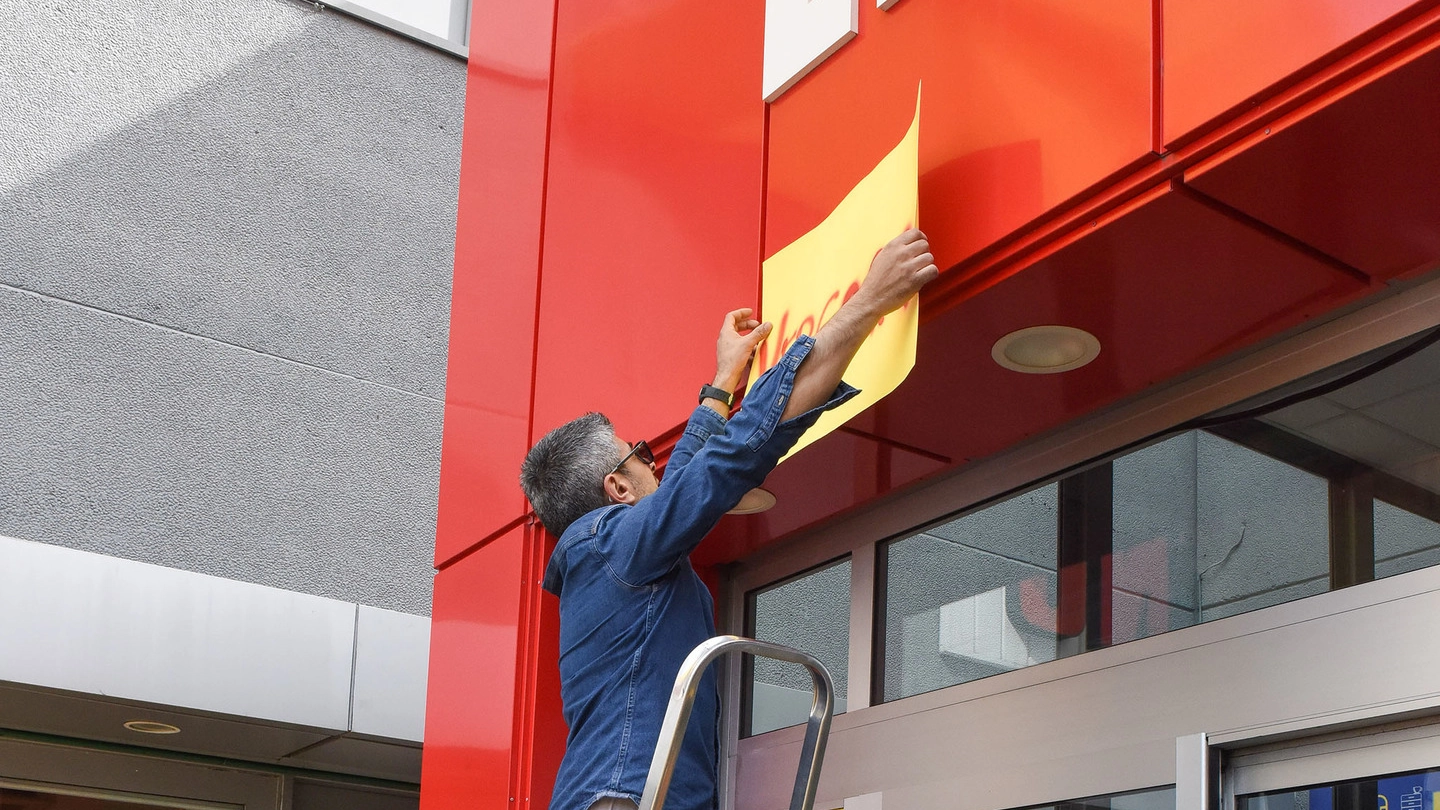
{"x": 711, "y": 392}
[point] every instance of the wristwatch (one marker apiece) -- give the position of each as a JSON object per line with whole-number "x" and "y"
{"x": 711, "y": 392}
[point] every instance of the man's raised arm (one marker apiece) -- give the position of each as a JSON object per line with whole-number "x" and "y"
{"x": 897, "y": 272}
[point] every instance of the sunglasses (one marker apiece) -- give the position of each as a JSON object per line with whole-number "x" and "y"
{"x": 639, "y": 450}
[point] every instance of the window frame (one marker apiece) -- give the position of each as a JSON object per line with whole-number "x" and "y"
{"x": 460, "y": 11}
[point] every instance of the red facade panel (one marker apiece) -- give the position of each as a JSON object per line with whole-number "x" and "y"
{"x": 1220, "y": 54}
{"x": 494, "y": 733}
{"x": 1355, "y": 178}
{"x": 653, "y": 207}
{"x": 497, "y": 265}
{"x": 1026, "y": 104}
{"x": 471, "y": 706}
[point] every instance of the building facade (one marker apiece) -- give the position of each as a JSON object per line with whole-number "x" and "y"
{"x": 1195, "y": 572}
{"x": 225, "y": 267}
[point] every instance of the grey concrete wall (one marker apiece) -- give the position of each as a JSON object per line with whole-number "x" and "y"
{"x": 224, "y": 290}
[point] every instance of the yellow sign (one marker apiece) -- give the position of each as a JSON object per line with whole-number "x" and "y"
{"x": 807, "y": 281}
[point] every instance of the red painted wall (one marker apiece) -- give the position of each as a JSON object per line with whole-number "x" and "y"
{"x": 1180, "y": 180}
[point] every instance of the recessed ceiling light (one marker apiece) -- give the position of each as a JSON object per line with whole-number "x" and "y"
{"x": 152, "y": 727}
{"x": 755, "y": 501}
{"x": 1047, "y": 349}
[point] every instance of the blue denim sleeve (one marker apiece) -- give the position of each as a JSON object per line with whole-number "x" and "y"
{"x": 703, "y": 424}
{"x": 644, "y": 542}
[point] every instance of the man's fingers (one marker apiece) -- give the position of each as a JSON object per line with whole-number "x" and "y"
{"x": 907, "y": 236}
{"x": 758, "y": 334}
{"x": 735, "y": 318}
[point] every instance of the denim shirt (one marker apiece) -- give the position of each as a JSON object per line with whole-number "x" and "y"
{"x": 632, "y": 607}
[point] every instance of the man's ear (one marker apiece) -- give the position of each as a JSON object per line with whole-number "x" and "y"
{"x": 619, "y": 489}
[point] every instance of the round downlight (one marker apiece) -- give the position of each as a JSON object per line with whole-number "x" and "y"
{"x": 1048, "y": 349}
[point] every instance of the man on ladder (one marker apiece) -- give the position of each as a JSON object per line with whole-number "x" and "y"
{"x": 631, "y": 606}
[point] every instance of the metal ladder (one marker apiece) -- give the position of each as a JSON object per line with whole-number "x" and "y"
{"x": 682, "y": 699}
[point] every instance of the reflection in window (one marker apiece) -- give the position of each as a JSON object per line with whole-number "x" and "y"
{"x": 809, "y": 613}
{"x": 1412, "y": 791}
{"x": 1331, "y": 483}
{"x": 68, "y": 800}
{"x": 972, "y": 597}
{"x": 1157, "y": 799}
{"x": 1404, "y": 541}
{"x": 1207, "y": 528}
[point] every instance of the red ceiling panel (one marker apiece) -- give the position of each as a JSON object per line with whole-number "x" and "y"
{"x": 1358, "y": 179}
{"x": 497, "y": 264}
{"x": 653, "y": 205}
{"x": 828, "y": 477}
{"x": 1026, "y": 103}
{"x": 1220, "y": 54}
{"x": 1166, "y": 285}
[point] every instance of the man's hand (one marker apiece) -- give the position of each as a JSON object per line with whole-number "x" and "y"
{"x": 739, "y": 335}
{"x": 897, "y": 272}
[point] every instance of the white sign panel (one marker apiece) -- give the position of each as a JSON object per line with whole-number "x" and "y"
{"x": 800, "y": 34}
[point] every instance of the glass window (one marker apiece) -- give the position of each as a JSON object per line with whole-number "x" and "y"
{"x": 810, "y": 613}
{"x": 83, "y": 799}
{"x": 1156, "y": 799}
{"x": 1404, "y": 541}
{"x": 1154, "y": 562}
{"x": 1206, "y": 528}
{"x": 1412, "y": 791}
{"x": 973, "y": 597}
{"x": 1262, "y": 529}
{"x": 1331, "y": 482}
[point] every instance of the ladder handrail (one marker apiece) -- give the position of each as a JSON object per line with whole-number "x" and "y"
{"x": 682, "y": 700}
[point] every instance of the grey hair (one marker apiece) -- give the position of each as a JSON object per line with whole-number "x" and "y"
{"x": 563, "y": 474}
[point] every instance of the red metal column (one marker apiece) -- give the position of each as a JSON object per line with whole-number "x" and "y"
{"x": 497, "y": 273}
{"x": 491, "y": 668}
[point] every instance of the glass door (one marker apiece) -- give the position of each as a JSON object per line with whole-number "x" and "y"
{"x": 1407, "y": 791}
{"x": 1392, "y": 768}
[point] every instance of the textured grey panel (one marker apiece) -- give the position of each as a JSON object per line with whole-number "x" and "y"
{"x": 392, "y": 659}
{"x": 257, "y": 171}
{"x": 127, "y": 439}
{"x": 88, "y": 623}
